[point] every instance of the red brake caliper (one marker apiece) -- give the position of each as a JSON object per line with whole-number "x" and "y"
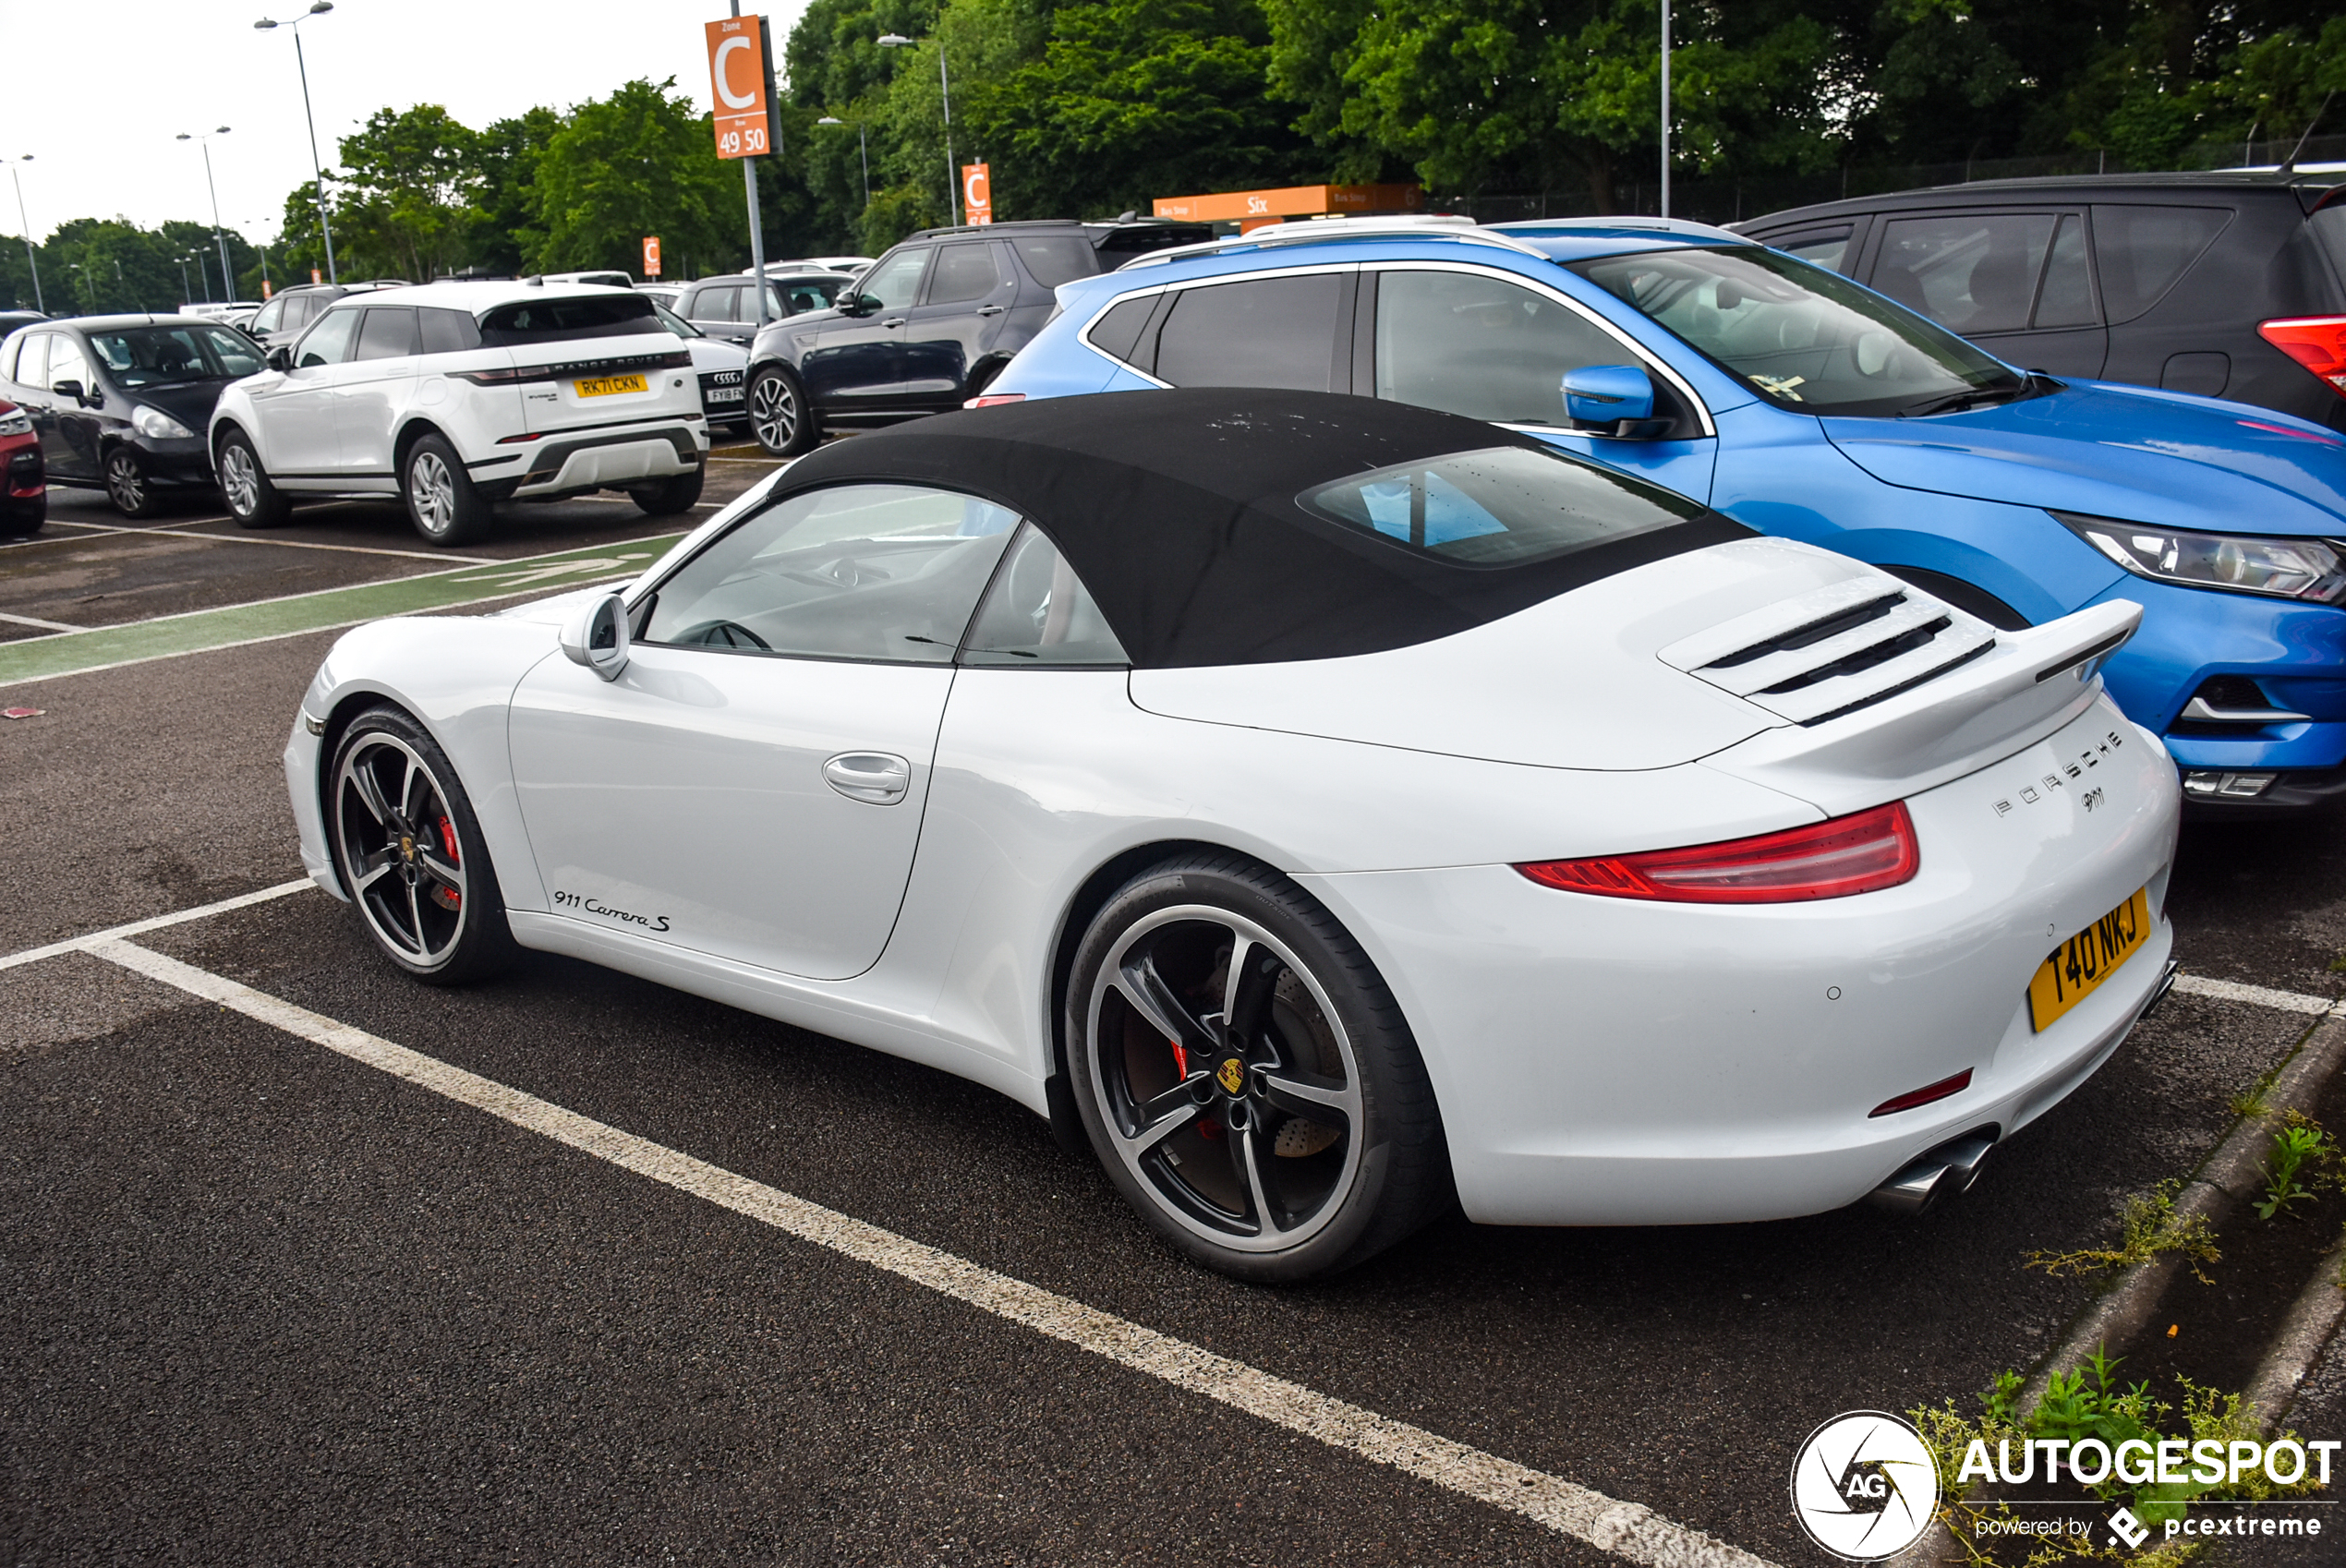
{"x": 447, "y": 897}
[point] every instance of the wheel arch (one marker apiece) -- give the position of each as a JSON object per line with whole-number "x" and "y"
{"x": 413, "y": 429}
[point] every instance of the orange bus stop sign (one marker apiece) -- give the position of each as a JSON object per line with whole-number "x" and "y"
{"x": 737, "y": 87}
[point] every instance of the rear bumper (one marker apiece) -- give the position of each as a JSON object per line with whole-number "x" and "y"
{"x": 1602, "y": 1061}
{"x": 564, "y": 466}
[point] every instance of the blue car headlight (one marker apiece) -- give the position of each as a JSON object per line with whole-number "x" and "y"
{"x": 2309, "y": 570}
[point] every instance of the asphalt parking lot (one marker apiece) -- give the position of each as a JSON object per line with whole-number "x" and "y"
{"x": 274, "y": 1293}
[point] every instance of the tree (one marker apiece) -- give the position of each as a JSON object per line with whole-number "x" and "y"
{"x": 637, "y": 162}
{"x": 411, "y": 178}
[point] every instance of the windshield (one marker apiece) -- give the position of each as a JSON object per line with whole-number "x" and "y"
{"x": 1502, "y": 506}
{"x": 146, "y": 357}
{"x": 1803, "y": 337}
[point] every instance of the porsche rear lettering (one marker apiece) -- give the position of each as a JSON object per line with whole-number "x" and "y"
{"x": 586, "y": 903}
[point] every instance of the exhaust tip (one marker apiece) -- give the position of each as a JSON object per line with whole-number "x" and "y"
{"x": 1946, "y": 1171}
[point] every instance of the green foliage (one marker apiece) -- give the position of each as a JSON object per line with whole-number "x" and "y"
{"x": 2148, "y": 1227}
{"x": 2300, "y": 1148}
{"x": 637, "y": 162}
{"x": 108, "y": 264}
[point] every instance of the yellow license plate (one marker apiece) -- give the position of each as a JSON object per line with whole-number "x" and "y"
{"x": 2086, "y": 960}
{"x": 604, "y": 386}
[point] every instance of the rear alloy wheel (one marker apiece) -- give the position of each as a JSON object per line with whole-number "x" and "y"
{"x": 244, "y": 485}
{"x": 441, "y": 501}
{"x": 126, "y": 484}
{"x": 779, "y": 417}
{"x": 1245, "y": 1076}
{"x": 410, "y": 853}
{"x": 671, "y": 496}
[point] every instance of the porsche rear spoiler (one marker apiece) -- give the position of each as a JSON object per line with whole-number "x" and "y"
{"x": 2025, "y": 688}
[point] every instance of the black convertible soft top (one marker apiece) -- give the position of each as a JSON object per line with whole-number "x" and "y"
{"x": 1180, "y": 511}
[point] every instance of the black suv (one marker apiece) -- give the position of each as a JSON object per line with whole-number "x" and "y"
{"x": 289, "y": 311}
{"x": 930, "y": 324}
{"x": 2212, "y": 283}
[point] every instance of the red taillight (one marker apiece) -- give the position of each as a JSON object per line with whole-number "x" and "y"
{"x": 987, "y": 400}
{"x": 2318, "y": 343}
{"x": 1827, "y": 860}
{"x": 1924, "y": 1096}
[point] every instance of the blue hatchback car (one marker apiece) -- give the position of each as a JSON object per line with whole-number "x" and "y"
{"x": 1805, "y": 406}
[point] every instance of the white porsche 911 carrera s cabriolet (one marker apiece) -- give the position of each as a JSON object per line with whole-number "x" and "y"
{"x": 1319, "y": 806}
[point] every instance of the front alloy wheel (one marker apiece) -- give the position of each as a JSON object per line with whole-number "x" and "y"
{"x": 777, "y": 414}
{"x": 127, "y": 485}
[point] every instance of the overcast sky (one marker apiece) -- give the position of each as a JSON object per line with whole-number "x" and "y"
{"x": 97, "y": 93}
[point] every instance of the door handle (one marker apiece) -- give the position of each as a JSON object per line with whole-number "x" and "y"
{"x": 875, "y": 777}
{"x": 991, "y": 310}
{"x": 893, "y": 322}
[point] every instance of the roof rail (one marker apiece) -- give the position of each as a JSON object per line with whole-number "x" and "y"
{"x": 1312, "y": 231}
{"x": 1686, "y": 226}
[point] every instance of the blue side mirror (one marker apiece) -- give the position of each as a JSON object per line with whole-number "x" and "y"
{"x": 1608, "y": 396}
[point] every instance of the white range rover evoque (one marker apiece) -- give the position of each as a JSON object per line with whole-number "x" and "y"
{"x": 454, "y": 396}
{"x": 1317, "y": 806}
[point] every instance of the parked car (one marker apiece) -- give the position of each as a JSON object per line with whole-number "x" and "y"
{"x": 1196, "y": 769}
{"x": 601, "y": 280}
{"x": 119, "y": 403}
{"x": 454, "y": 396}
{"x": 24, "y": 482}
{"x": 288, "y": 314}
{"x": 929, "y": 324}
{"x": 2226, "y": 285}
{"x": 237, "y": 313}
{"x": 726, "y": 307}
{"x": 663, "y": 294}
{"x": 11, "y": 320}
{"x": 849, "y": 264}
{"x": 1796, "y": 402}
{"x": 720, "y": 365}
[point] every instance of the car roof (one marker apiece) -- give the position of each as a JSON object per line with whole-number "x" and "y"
{"x": 126, "y": 319}
{"x": 818, "y": 274}
{"x": 487, "y": 295}
{"x": 1181, "y": 513}
{"x": 2267, "y": 184}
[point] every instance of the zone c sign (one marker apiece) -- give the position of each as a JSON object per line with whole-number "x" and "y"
{"x": 651, "y": 256}
{"x": 738, "y": 74}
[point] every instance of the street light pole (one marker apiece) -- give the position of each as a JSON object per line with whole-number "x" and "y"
{"x": 862, "y": 151}
{"x": 945, "y": 89}
{"x": 1665, "y": 108}
{"x": 317, "y": 7}
{"x": 26, "y": 224}
{"x": 227, "y": 276}
{"x": 183, "y": 275}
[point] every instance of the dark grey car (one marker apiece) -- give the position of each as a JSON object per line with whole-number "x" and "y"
{"x": 290, "y": 310}
{"x": 727, "y": 308}
{"x": 2212, "y": 283}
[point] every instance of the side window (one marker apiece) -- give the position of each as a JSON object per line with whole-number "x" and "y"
{"x": 2142, "y": 250}
{"x": 2067, "y": 298}
{"x": 267, "y": 317}
{"x": 1052, "y": 259}
{"x": 1276, "y": 332}
{"x": 300, "y": 310}
{"x": 713, "y": 305}
{"x": 32, "y": 361}
{"x": 1039, "y": 613}
{"x": 964, "y": 272}
{"x": 1828, "y": 248}
{"x": 1467, "y": 344}
{"x": 448, "y": 332}
{"x": 328, "y": 342}
{"x": 65, "y": 361}
{"x": 389, "y": 333}
{"x": 896, "y": 282}
{"x": 1970, "y": 272}
{"x": 889, "y": 572}
{"x": 1118, "y": 331}
{"x": 8, "y": 351}
{"x": 801, "y": 295}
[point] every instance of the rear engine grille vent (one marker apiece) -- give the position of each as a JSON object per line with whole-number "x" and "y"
{"x": 1829, "y": 651}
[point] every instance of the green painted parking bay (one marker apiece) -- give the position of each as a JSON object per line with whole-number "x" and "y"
{"x": 72, "y": 653}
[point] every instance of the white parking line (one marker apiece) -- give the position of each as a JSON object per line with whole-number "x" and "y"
{"x": 1626, "y": 1529}
{"x": 153, "y": 922}
{"x": 36, "y": 620}
{"x": 264, "y": 538}
{"x": 2257, "y": 995}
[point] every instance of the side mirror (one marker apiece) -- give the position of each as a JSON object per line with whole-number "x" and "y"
{"x": 597, "y": 636}
{"x": 67, "y": 388}
{"x": 281, "y": 359}
{"x": 1610, "y": 400}
{"x": 853, "y": 303}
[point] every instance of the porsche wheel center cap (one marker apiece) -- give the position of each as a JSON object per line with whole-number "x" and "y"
{"x": 1231, "y": 1075}
{"x": 408, "y": 849}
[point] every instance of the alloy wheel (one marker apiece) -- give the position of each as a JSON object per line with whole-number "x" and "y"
{"x": 126, "y": 486}
{"x": 400, "y": 850}
{"x": 1230, "y": 1090}
{"x": 240, "y": 479}
{"x": 432, "y": 491}
{"x": 773, "y": 412}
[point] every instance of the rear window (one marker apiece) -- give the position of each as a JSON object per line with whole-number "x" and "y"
{"x": 1501, "y": 506}
{"x": 555, "y": 319}
{"x": 2142, "y": 250}
{"x": 1052, "y": 259}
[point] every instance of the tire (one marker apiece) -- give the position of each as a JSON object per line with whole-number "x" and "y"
{"x": 126, "y": 484}
{"x": 779, "y": 414}
{"x": 251, "y": 500}
{"x": 410, "y": 853}
{"x": 1209, "y": 1143}
{"x": 441, "y": 501}
{"x": 671, "y": 496}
